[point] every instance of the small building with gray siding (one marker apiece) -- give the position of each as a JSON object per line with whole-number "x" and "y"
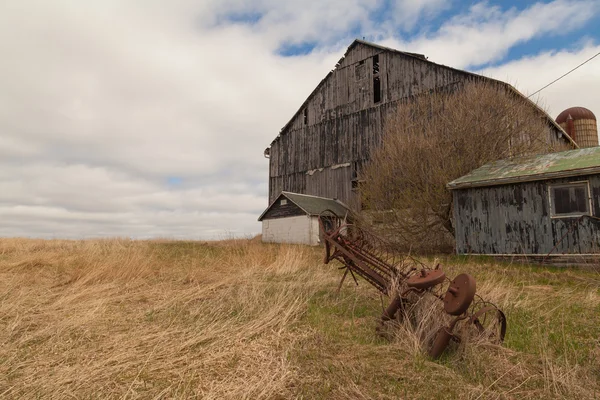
{"x": 294, "y": 218}
{"x": 539, "y": 205}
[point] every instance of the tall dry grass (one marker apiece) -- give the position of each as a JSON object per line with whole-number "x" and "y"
{"x": 124, "y": 319}
{"x": 240, "y": 319}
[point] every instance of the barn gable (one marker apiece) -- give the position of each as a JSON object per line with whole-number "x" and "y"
{"x": 349, "y": 87}
{"x": 321, "y": 150}
{"x": 281, "y": 209}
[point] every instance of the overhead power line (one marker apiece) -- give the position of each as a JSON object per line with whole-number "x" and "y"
{"x": 562, "y": 76}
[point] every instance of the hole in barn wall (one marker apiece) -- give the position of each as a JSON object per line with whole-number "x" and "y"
{"x": 376, "y": 80}
{"x": 376, "y": 64}
{"x": 376, "y": 90}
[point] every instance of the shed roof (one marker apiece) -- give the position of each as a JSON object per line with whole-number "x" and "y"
{"x": 311, "y": 205}
{"x": 532, "y": 168}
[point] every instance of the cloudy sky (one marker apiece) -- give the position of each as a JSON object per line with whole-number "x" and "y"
{"x": 149, "y": 118}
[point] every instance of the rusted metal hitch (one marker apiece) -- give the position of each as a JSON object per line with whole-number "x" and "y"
{"x": 370, "y": 257}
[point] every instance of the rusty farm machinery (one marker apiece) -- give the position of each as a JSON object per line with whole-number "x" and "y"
{"x": 364, "y": 254}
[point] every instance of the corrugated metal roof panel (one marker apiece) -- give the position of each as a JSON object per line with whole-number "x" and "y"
{"x": 532, "y": 168}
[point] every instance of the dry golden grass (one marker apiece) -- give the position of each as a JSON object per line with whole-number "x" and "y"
{"x": 241, "y": 319}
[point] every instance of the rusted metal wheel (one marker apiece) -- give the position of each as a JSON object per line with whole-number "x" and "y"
{"x": 426, "y": 279}
{"x": 490, "y": 322}
{"x": 459, "y": 295}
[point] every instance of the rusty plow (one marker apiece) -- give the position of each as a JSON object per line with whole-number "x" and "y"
{"x": 363, "y": 254}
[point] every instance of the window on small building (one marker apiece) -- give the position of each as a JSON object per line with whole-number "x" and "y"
{"x": 283, "y": 202}
{"x": 570, "y": 200}
{"x": 328, "y": 223}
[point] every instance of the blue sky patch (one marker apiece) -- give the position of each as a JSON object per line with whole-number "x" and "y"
{"x": 242, "y": 18}
{"x": 174, "y": 181}
{"x": 296, "y": 49}
{"x": 571, "y": 42}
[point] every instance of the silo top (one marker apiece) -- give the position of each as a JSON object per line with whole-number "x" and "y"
{"x": 575, "y": 113}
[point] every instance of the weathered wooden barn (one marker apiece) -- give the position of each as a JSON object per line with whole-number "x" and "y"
{"x": 538, "y": 205}
{"x": 321, "y": 149}
{"x": 294, "y": 218}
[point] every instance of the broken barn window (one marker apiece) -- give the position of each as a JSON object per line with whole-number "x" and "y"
{"x": 376, "y": 80}
{"x": 376, "y": 90}
{"x": 306, "y": 116}
{"x": 570, "y": 199}
{"x": 376, "y": 64}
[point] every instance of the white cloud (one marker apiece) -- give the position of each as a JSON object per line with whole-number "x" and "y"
{"x": 408, "y": 14}
{"x": 485, "y": 33}
{"x": 580, "y": 88}
{"x": 104, "y": 103}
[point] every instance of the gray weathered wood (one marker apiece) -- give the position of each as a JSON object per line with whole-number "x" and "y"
{"x": 515, "y": 219}
{"x": 320, "y": 156}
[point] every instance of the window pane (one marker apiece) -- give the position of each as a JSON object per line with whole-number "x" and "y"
{"x": 579, "y": 200}
{"x": 561, "y": 200}
{"x": 571, "y": 199}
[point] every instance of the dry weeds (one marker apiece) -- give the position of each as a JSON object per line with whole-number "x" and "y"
{"x": 433, "y": 139}
{"x": 239, "y": 319}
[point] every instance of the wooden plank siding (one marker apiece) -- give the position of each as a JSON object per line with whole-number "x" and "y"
{"x": 339, "y": 125}
{"x": 360, "y": 52}
{"x": 343, "y": 124}
{"x": 515, "y": 219}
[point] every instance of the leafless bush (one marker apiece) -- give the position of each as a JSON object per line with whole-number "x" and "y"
{"x": 434, "y": 139}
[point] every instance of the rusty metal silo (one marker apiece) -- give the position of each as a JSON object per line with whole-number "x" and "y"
{"x": 580, "y": 124}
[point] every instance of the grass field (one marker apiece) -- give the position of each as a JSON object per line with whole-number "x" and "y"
{"x": 240, "y": 319}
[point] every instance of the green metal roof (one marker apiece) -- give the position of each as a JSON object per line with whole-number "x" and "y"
{"x": 312, "y": 205}
{"x": 532, "y": 168}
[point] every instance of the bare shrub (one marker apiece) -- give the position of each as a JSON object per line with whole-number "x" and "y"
{"x": 434, "y": 139}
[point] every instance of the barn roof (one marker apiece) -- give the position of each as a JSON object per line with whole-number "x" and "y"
{"x": 311, "y": 205}
{"x": 423, "y": 58}
{"x": 532, "y": 168}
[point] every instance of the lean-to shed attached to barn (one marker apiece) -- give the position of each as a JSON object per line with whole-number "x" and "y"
{"x": 538, "y": 205}
{"x": 294, "y": 218}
